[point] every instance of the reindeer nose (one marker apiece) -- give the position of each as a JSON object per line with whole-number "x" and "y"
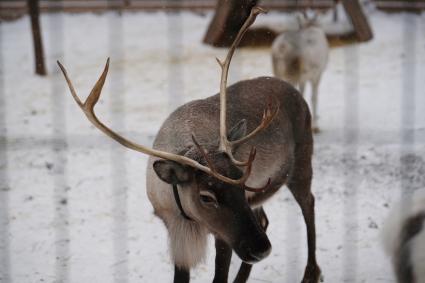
{"x": 262, "y": 250}
{"x": 255, "y": 250}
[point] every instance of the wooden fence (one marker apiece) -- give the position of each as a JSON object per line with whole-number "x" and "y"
{"x": 11, "y": 9}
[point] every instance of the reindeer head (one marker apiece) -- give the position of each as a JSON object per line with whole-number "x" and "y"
{"x": 305, "y": 20}
{"x": 211, "y": 177}
{"x": 220, "y": 207}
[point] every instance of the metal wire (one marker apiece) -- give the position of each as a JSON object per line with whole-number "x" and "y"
{"x": 175, "y": 52}
{"x": 59, "y": 151}
{"x": 351, "y": 140}
{"x": 118, "y": 154}
{"x": 408, "y": 93}
{"x": 4, "y": 177}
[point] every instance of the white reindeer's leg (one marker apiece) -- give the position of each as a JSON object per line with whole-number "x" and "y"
{"x": 315, "y": 91}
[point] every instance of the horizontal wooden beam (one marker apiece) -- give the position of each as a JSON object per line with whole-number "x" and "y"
{"x": 400, "y": 5}
{"x": 96, "y": 5}
{"x": 91, "y": 5}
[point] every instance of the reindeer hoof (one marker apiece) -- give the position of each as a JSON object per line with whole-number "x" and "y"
{"x": 312, "y": 275}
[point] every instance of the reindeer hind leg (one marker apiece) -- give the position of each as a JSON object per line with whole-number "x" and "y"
{"x": 300, "y": 187}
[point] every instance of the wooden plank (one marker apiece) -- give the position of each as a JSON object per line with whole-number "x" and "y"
{"x": 10, "y": 10}
{"x": 295, "y": 5}
{"x": 395, "y": 6}
{"x": 287, "y": 5}
{"x": 358, "y": 19}
{"x": 96, "y": 5}
{"x": 228, "y": 19}
{"x": 230, "y": 15}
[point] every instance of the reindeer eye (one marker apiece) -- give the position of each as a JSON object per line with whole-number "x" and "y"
{"x": 208, "y": 198}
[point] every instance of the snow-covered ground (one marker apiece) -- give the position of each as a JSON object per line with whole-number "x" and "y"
{"x": 73, "y": 206}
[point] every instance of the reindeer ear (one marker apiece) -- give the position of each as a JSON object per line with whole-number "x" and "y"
{"x": 238, "y": 131}
{"x": 172, "y": 172}
{"x": 315, "y": 17}
{"x": 301, "y": 19}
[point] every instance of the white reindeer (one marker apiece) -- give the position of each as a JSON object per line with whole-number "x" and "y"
{"x": 404, "y": 239}
{"x": 301, "y": 56}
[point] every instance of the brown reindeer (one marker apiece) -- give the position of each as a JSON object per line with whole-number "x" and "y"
{"x": 200, "y": 185}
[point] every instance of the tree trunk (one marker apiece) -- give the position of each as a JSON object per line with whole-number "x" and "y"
{"x": 34, "y": 12}
{"x": 228, "y": 19}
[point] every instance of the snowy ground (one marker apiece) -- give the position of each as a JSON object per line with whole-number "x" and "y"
{"x": 73, "y": 206}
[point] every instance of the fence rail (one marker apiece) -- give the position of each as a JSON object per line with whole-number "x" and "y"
{"x": 96, "y": 5}
{"x": 14, "y": 9}
{"x": 10, "y": 10}
{"x": 389, "y": 5}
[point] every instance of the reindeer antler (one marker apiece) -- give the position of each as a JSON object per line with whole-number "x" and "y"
{"x": 225, "y": 144}
{"x": 88, "y": 109}
{"x": 268, "y": 117}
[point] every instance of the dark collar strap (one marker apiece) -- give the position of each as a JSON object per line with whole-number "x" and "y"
{"x": 179, "y": 204}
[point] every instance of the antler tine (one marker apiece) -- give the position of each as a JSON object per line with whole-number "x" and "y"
{"x": 248, "y": 169}
{"x": 258, "y": 190}
{"x": 94, "y": 95}
{"x": 268, "y": 116}
{"x": 315, "y": 16}
{"x": 204, "y": 154}
{"x": 248, "y": 172}
{"x": 88, "y": 109}
{"x": 71, "y": 87}
{"x": 224, "y": 143}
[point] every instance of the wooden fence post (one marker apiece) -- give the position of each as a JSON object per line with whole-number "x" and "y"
{"x": 361, "y": 25}
{"x": 34, "y": 12}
